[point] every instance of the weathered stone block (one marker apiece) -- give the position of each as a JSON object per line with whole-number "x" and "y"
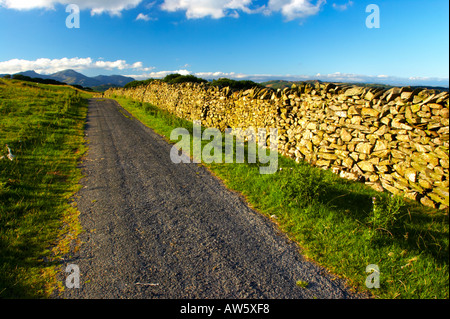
{"x": 400, "y": 136}
{"x": 354, "y": 91}
{"x": 366, "y": 111}
{"x": 366, "y": 166}
{"x": 364, "y": 148}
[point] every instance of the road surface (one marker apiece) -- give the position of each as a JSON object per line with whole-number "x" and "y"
{"x": 154, "y": 229}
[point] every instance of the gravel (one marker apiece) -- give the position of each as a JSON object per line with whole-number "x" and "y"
{"x": 154, "y": 229}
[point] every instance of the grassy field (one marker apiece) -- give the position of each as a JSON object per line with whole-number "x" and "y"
{"x": 342, "y": 225}
{"x": 44, "y": 127}
{"x": 339, "y": 224}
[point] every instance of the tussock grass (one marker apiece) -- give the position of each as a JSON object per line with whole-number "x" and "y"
{"x": 342, "y": 225}
{"x": 44, "y": 127}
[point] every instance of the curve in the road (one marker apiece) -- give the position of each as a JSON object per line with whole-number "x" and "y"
{"x": 154, "y": 229}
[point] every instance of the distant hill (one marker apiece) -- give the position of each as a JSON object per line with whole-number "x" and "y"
{"x": 33, "y": 74}
{"x": 74, "y": 77}
{"x": 104, "y": 82}
{"x": 119, "y": 80}
{"x": 69, "y": 76}
{"x": 281, "y": 84}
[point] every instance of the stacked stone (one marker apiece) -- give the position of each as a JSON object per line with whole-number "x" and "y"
{"x": 396, "y": 139}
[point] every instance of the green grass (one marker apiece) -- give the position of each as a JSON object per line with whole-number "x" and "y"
{"x": 342, "y": 225}
{"x": 302, "y": 284}
{"x": 44, "y": 127}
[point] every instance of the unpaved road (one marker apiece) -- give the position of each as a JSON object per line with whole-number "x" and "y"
{"x": 154, "y": 229}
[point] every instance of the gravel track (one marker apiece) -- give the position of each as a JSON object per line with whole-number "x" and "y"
{"x": 154, "y": 229}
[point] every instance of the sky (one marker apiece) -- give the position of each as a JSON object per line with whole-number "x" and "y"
{"x": 400, "y": 42}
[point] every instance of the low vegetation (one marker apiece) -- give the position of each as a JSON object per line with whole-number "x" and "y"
{"x": 137, "y": 83}
{"x": 43, "y": 81}
{"x": 236, "y": 84}
{"x": 43, "y": 126}
{"x": 342, "y": 225}
{"x": 178, "y": 78}
{"x": 171, "y": 78}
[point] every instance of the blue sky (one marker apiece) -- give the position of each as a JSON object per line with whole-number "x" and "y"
{"x": 259, "y": 39}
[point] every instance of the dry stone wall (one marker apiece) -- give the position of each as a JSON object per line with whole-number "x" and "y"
{"x": 396, "y": 139}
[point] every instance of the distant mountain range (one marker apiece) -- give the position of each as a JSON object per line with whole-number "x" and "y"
{"x": 104, "y": 82}
{"x": 73, "y": 77}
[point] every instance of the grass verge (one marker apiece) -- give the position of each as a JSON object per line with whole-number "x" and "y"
{"x": 342, "y": 225}
{"x": 44, "y": 127}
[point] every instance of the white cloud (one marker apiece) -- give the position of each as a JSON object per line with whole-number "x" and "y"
{"x": 150, "y": 4}
{"x": 290, "y": 9}
{"x": 294, "y": 9}
{"x": 217, "y": 75}
{"x": 142, "y": 16}
{"x": 330, "y": 77}
{"x": 204, "y": 75}
{"x": 113, "y": 7}
{"x": 361, "y": 78}
{"x": 342, "y": 7}
{"x": 194, "y": 9}
{"x": 48, "y": 66}
{"x": 203, "y": 8}
{"x": 158, "y": 74}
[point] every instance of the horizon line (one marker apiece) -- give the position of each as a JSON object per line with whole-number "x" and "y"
{"x": 337, "y": 77}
